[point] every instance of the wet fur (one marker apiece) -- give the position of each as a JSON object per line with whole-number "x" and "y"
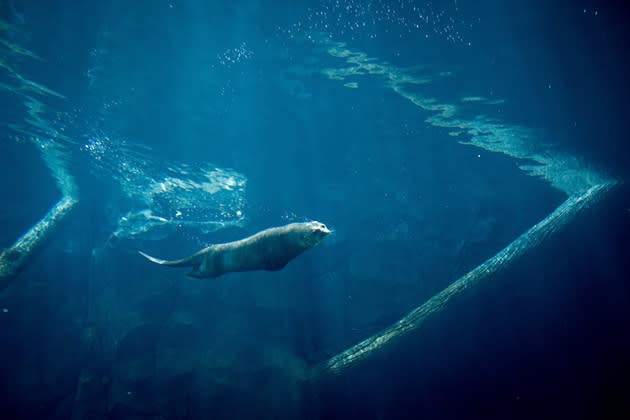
{"x": 270, "y": 249}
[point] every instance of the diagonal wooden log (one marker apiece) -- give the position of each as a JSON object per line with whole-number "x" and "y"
{"x": 413, "y": 320}
{"x": 14, "y": 258}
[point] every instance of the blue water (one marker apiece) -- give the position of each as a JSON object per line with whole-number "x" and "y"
{"x": 428, "y": 135}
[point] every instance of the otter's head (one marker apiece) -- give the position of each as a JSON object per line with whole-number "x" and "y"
{"x": 313, "y": 233}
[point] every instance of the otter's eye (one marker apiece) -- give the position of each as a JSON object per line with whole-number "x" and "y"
{"x": 322, "y": 226}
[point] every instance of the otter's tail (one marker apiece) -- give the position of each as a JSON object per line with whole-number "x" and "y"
{"x": 185, "y": 262}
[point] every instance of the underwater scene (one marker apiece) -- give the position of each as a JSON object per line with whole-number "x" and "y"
{"x": 314, "y": 209}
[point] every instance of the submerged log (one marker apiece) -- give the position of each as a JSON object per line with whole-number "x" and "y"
{"x": 14, "y": 258}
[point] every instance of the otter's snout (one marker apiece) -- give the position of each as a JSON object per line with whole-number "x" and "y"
{"x": 322, "y": 227}
{"x": 318, "y": 233}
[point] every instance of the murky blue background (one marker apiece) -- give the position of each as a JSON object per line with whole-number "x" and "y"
{"x": 186, "y": 123}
